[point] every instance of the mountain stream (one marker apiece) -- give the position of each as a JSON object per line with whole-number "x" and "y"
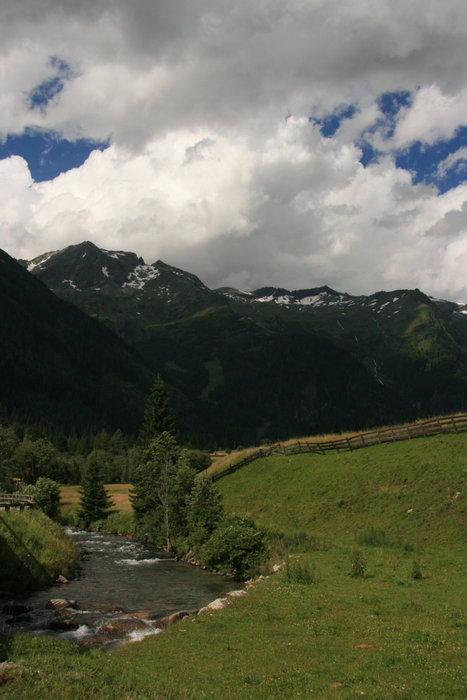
{"x": 122, "y": 590}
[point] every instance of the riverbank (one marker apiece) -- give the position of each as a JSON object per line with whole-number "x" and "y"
{"x": 125, "y": 591}
{"x": 34, "y": 551}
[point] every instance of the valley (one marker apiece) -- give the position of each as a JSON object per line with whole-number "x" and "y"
{"x": 394, "y": 627}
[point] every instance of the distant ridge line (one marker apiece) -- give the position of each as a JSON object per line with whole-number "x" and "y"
{"x": 446, "y": 424}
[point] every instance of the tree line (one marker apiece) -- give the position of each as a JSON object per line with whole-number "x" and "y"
{"x": 173, "y": 506}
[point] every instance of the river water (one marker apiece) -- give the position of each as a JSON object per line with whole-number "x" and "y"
{"x": 118, "y": 577}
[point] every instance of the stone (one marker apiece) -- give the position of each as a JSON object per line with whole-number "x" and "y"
{"x": 62, "y": 623}
{"x": 15, "y": 609}
{"x": 217, "y": 604}
{"x": 110, "y": 609}
{"x": 62, "y": 579}
{"x": 236, "y": 594}
{"x": 120, "y": 626}
{"x": 18, "y": 619}
{"x": 169, "y": 620}
{"x": 141, "y": 615}
{"x": 278, "y": 567}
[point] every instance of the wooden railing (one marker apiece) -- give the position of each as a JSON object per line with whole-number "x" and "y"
{"x": 15, "y": 500}
{"x": 433, "y": 426}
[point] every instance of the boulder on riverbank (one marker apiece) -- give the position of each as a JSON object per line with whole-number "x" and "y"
{"x": 169, "y": 620}
{"x": 62, "y": 606}
{"x": 122, "y": 626}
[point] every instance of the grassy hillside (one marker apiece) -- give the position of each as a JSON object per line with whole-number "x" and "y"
{"x": 414, "y": 490}
{"x": 33, "y": 551}
{"x": 392, "y": 627}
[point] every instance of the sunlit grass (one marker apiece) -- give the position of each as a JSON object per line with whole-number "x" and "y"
{"x": 222, "y": 460}
{"x": 33, "y": 551}
{"x": 397, "y": 630}
{"x": 70, "y": 498}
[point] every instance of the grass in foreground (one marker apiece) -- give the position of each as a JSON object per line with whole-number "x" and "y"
{"x": 393, "y": 628}
{"x": 376, "y": 636}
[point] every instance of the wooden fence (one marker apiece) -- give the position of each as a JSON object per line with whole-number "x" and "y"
{"x": 433, "y": 426}
{"x": 15, "y": 500}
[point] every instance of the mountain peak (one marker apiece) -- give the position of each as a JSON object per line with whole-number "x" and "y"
{"x": 163, "y": 267}
{"x": 84, "y": 266}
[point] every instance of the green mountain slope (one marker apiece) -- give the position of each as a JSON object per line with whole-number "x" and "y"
{"x": 58, "y": 367}
{"x": 414, "y": 346}
{"x": 271, "y": 363}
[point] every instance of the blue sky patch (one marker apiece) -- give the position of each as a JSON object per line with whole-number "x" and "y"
{"x": 430, "y": 165}
{"x": 390, "y": 103}
{"x": 423, "y": 162}
{"x": 369, "y": 154}
{"x": 434, "y": 164}
{"x": 47, "y": 154}
{"x": 42, "y": 94}
{"x": 329, "y": 124}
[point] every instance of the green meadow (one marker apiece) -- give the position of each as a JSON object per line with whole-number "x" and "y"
{"x": 370, "y": 602}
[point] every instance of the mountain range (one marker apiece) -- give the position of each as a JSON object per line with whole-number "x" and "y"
{"x": 271, "y": 363}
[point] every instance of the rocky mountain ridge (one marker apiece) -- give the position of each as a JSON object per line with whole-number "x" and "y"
{"x": 272, "y": 362}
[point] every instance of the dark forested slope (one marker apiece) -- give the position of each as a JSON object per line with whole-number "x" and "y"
{"x": 58, "y": 367}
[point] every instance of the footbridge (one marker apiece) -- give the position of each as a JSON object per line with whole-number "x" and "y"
{"x": 19, "y": 501}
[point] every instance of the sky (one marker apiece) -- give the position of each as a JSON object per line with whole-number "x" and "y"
{"x": 287, "y": 143}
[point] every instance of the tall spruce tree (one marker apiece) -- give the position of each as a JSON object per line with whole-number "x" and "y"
{"x": 95, "y": 502}
{"x": 158, "y": 416}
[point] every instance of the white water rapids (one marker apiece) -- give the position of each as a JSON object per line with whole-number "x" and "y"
{"x": 123, "y": 588}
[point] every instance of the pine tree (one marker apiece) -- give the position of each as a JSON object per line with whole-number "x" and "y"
{"x": 158, "y": 416}
{"x": 95, "y": 502}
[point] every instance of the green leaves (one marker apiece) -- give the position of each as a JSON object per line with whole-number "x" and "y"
{"x": 235, "y": 546}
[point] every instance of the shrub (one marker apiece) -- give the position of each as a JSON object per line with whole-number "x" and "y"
{"x": 357, "y": 564}
{"x": 374, "y": 537}
{"x": 297, "y": 571}
{"x": 416, "y": 573}
{"x": 199, "y": 460}
{"x": 47, "y": 496}
{"x": 235, "y": 546}
{"x": 203, "y": 511}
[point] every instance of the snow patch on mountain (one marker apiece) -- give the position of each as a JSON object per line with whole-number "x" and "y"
{"x": 116, "y": 254}
{"x": 72, "y": 284}
{"x": 37, "y": 262}
{"x": 140, "y": 276}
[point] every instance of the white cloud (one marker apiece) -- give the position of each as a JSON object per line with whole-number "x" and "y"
{"x": 213, "y": 164}
{"x": 456, "y": 160}
{"x": 432, "y": 117}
